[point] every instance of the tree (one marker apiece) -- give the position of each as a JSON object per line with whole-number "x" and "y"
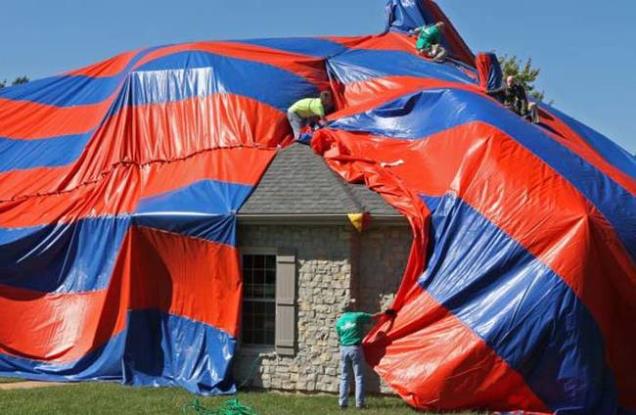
{"x": 526, "y": 74}
{"x": 17, "y": 81}
{"x": 20, "y": 80}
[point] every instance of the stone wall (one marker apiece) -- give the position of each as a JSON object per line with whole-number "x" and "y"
{"x": 327, "y": 256}
{"x": 324, "y": 276}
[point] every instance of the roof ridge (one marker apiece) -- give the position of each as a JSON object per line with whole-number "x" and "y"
{"x": 299, "y": 181}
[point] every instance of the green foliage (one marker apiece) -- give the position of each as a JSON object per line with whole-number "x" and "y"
{"x": 525, "y": 73}
{"x": 17, "y": 81}
{"x": 20, "y": 80}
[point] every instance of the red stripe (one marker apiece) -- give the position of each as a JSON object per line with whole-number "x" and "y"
{"x": 108, "y": 68}
{"x": 425, "y": 347}
{"x": 515, "y": 190}
{"x": 29, "y": 120}
{"x": 157, "y": 132}
{"x": 568, "y": 138}
{"x": 183, "y": 276}
{"x": 187, "y": 277}
{"x": 356, "y": 98}
{"x": 388, "y": 41}
{"x": 445, "y": 365}
{"x": 121, "y": 189}
{"x": 24, "y": 120}
{"x": 483, "y": 69}
{"x": 64, "y": 327}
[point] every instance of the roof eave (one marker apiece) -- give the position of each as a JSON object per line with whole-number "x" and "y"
{"x": 314, "y": 219}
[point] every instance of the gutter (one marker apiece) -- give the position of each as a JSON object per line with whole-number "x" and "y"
{"x": 314, "y": 219}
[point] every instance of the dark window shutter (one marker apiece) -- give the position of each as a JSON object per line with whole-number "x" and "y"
{"x": 286, "y": 302}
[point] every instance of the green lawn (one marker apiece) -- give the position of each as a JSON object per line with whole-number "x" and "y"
{"x": 94, "y": 398}
{"x": 9, "y": 380}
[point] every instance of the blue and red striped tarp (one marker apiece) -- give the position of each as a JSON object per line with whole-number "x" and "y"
{"x": 120, "y": 183}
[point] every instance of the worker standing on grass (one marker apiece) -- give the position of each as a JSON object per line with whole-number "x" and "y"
{"x": 350, "y": 329}
{"x": 428, "y": 42}
{"x": 309, "y": 110}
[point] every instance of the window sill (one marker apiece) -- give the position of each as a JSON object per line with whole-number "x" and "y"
{"x": 258, "y": 350}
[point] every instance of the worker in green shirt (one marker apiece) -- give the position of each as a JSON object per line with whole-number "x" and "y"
{"x": 428, "y": 42}
{"x": 350, "y": 329}
{"x": 308, "y": 110}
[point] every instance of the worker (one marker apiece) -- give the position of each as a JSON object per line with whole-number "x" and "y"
{"x": 516, "y": 99}
{"x": 350, "y": 329}
{"x": 309, "y": 110}
{"x": 428, "y": 42}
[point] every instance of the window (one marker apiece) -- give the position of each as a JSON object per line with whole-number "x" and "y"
{"x": 269, "y": 299}
{"x": 259, "y": 300}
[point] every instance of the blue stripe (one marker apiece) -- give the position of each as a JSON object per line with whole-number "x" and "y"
{"x": 199, "y": 74}
{"x": 172, "y": 78}
{"x": 361, "y": 65}
{"x": 403, "y": 18}
{"x": 8, "y": 236}
{"x": 62, "y": 258}
{"x": 165, "y": 350}
{"x": 64, "y": 90}
{"x": 71, "y": 90}
{"x": 156, "y": 349}
{"x": 610, "y": 151}
{"x": 205, "y": 210}
{"x": 80, "y": 256}
{"x": 520, "y": 308}
{"x": 47, "y": 152}
{"x": 208, "y": 197}
{"x": 420, "y": 115}
{"x": 310, "y": 46}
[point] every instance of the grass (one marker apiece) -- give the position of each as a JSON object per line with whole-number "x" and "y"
{"x": 97, "y": 398}
{"x": 9, "y": 380}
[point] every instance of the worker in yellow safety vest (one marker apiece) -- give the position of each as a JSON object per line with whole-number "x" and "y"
{"x": 309, "y": 110}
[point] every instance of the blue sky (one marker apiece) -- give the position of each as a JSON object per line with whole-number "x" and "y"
{"x": 586, "y": 49}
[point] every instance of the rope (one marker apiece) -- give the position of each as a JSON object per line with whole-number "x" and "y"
{"x": 230, "y": 407}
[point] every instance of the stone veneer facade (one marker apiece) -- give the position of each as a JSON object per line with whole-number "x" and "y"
{"x": 327, "y": 257}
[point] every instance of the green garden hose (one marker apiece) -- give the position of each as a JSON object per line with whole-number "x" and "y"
{"x": 230, "y": 407}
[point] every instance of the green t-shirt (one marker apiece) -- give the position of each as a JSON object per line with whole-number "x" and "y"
{"x": 350, "y": 328}
{"x": 429, "y": 36}
{"x": 308, "y": 107}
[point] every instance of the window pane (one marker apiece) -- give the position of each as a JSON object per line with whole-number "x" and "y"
{"x": 259, "y": 337}
{"x": 259, "y": 307}
{"x": 259, "y": 279}
{"x": 269, "y": 291}
{"x": 270, "y": 276}
{"x": 269, "y": 337}
{"x": 259, "y": 261}
{"x": 270, "y": 262}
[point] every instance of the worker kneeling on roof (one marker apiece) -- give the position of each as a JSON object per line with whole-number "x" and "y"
{"x": 428, "y": 42}
{"x": 516, "y": 99}
{"x": 308, "y": 111}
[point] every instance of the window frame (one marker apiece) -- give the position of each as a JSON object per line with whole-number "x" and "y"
{"x": 252, "y": 251}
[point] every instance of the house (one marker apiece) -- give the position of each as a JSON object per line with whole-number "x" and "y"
{"x": 303, "y": 261}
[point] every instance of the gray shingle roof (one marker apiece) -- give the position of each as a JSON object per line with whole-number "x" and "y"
{"x": 298, "y": 182}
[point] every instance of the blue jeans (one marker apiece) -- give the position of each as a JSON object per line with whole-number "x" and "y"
{"x": 355, "y": 355}
{"x": 296, "y": 122}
